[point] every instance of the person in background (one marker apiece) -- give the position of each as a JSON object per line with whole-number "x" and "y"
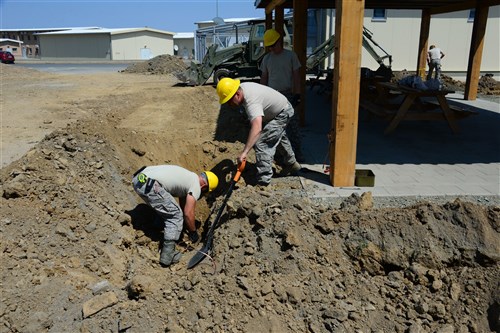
{"x": 158, "y": 186}
{"x": 281, "y": 71}
{"x": 269, "y": 113}
{"x": 434, "y": 57}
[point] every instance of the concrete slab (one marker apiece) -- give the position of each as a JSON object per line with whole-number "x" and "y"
{"x": 420, "y": 158}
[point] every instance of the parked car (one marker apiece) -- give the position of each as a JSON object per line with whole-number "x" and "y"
{"x": 7, "y": 57}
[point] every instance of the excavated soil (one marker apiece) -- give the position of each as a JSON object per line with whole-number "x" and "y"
{"x": 79, "y": 250}
{"x": 487, "y": 85}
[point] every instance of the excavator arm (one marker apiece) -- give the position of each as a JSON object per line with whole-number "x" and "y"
{"x": 326, "y": 49}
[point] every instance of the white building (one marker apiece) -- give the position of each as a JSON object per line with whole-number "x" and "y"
{"x": 184, "y": 45}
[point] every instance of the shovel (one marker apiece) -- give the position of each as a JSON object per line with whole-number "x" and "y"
{"x": 203, "y": 252}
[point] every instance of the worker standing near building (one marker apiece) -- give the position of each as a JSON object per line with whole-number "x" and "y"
{"x": 434, "y": 57}
{"x": 281, "y": 71}
{"x": 158, "y": 186}
{"x": 269, "y": 112}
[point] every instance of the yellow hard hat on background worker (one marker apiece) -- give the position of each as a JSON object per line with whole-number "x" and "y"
{"x": 271, "y": 36}
{"x": 226, "y": 88}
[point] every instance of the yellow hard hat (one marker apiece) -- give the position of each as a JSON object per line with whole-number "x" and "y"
{"x": 212, "y": 180}
{"x": 226, "y": 88}
{"x": 271, "y": 36}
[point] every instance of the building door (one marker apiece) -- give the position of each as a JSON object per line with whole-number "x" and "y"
{"x": 146, "y": 53}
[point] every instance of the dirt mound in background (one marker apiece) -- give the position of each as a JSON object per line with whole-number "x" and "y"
{"x": 162, "y": 64}
{"x": 79, "y": 249}
{"x": 487, "y": 85}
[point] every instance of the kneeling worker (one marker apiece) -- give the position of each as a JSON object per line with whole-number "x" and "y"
{"x": 158, "y": 186}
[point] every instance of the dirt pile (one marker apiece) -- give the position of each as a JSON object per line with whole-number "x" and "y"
{"x": 487, "y": 85}
{"x": 80, "y": 250}
{"x": 162, "y": 64}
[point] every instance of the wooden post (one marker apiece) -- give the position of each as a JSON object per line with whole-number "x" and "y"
{"x": 269, "y": 20}
{"x": 345, "y": 97}
{"x": 299, "y": 46}
{"x": 279, "y": 19}
{"x": 476, "y": 52}
{"x": 423, "y": 43}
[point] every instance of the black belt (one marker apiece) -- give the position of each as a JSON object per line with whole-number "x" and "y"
{"x": 143, "y": 179}
{"x": 148, "y": 181}
{"x": 137, "y": 172}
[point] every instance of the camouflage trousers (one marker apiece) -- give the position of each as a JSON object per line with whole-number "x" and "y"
{"x": 293, "y": 133}
{"x": 164, "y": 204}
{"x": 273, "y": 142}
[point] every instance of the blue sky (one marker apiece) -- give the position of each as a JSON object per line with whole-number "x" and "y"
{"x": 169, "y": 15}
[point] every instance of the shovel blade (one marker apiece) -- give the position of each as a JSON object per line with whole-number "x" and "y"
{"x": 198, "y": 257}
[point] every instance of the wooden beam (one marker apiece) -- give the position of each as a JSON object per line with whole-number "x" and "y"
{"x": 349, "y": 16}
{"x": 476, "y": 52}
{"x": 425, "y": 24}
{"x": 435, "y": 6}
{"x": 299, "y": 46}
{"x": 273, "y": 4}
{"x": 464, "y": 5}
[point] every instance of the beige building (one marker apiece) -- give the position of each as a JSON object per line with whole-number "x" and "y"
{"x": 397, "y": 31}
{"x": 105, "y": 44}
{"x": 29, "y": 46}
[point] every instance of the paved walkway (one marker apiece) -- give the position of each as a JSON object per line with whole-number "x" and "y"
{"x": 420, "y": 158}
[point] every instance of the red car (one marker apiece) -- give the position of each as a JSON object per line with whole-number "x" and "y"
{"x": 7, "y": 57}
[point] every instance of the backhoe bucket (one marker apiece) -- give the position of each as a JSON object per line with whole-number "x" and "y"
{"x": 191, "y": 76}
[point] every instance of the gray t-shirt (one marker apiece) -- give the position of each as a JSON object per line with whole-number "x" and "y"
{"x": 179, "y": 182}
{"x": 280, "y": 68}
{"x": 260, "y": 100}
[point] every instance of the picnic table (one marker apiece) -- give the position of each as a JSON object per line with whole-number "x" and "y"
{"x": 413, "y": 104}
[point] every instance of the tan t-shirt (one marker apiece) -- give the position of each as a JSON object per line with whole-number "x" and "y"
{"x": 261, "y": 100}
{"x": 179, "y": 182}
{"x": 280, "y": 68}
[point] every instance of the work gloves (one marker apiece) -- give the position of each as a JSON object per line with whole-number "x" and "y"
{"x": 295, "y": 100}
{"x": 169, "y": 255}
{"x": 193, "y": 236}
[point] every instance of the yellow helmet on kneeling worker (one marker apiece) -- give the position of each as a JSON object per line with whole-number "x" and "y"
{"x": 212, "y": 180}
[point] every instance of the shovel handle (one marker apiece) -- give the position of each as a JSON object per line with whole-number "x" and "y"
{"x": 241, "y": 167}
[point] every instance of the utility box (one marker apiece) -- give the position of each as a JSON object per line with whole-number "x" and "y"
{"x": 364, "y": 178}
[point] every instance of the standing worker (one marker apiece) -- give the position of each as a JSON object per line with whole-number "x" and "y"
{"x": 158, "y": 186}
{"x": 269, "y": 112}
{"x": 281, "y": 71}
{"x": 434, "y": 57}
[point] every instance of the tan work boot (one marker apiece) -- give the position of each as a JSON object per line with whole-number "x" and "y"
{"x": 290, "y": 170}
{"x": 169, "y": 255}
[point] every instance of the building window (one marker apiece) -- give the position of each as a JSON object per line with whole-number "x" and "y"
{"x": 379, "y": 15}
{"x": 472, "y": 13}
